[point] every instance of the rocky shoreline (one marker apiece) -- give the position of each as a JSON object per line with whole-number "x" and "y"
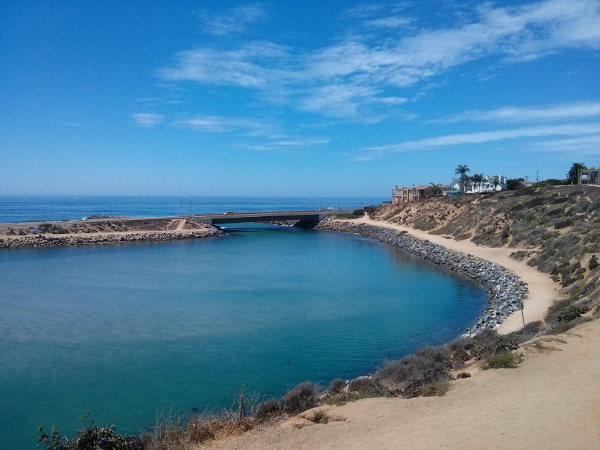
{"x": 45, "y": 241}
{"x": 505, "y": 291}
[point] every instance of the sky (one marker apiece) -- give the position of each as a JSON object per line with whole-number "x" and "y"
{"x": 288, "y": 98}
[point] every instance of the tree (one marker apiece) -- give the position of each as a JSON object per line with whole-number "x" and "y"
{"x": 513, "y": 184}
{"x": 462, "y": 172}
{"x": 437, "y": 188}
{"x": 478, "y": 179}
{"x": 573, "y": 175}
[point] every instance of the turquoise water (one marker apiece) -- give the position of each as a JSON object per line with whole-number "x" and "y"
{"x": 129, "y": 331}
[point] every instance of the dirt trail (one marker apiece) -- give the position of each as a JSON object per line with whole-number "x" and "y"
{"x": 542, "y": 290}
{"x": 181, "y": 225}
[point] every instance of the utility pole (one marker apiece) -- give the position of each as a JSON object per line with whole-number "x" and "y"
{"x": 537, "y": 176}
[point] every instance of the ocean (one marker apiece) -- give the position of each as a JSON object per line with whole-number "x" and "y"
{"x": 132, "y": 332}
{"x": 38, "y": 208}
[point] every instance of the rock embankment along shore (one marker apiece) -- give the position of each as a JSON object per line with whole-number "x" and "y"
{"x": 505, "y": 291}
{"x": 107, "y": 238}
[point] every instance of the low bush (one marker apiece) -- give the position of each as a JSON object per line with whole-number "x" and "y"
{"x": 319, "y": 416}
{"x": 267, "y": 410}
{"x": 436, "y": 388}
{"x": 91, "y": 437}
{"x": 302, "y": 397}
{"x": 526, "y": 333}
{"x": 504, "y": 359}
{"x": 336, "y": 386}
{"x": 365, "y": 386}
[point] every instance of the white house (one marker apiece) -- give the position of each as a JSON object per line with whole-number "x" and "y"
{"x": 489, "y": 184}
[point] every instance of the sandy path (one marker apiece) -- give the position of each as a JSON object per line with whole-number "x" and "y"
{"x": 552, "y": 401}
{"x": 180, "y": 225}
{"x": 542, "y": 290}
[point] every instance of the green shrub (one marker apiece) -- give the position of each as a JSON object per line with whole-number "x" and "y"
{"x": 358, "y": 212}
{"x": 504, "y": 359}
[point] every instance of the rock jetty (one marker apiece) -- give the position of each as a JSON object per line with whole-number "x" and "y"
{"x": 43, "y": 241}
{"x": 505, "y": 291}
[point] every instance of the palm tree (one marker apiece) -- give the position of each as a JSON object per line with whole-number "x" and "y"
{"x": 462, "y": 171}
{"x": 574, "y": 171}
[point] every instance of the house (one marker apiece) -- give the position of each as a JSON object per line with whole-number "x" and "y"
{"x": 589, "y": 176}
{"x": 491, "y": 183}
{"x": 411, "y": 193}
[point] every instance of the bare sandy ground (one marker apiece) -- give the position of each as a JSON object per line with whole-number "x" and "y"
{"x": 542, "y": 290}
{"x": 551, "y": 401}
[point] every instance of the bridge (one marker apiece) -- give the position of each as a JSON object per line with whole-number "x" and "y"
{"x": 306, "y": 219}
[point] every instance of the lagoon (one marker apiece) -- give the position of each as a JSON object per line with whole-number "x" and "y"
{"x": 131, "y": 331}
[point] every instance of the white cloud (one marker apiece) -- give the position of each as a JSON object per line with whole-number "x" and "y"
{"x": 246, "y": 67}
{"x": 235, "y": 21}
{"x": 580, "y": 110}
{"x": 284, "y": 144}
{"x": 147, "y": 120}
{"x": 217, "y": 124}
{"x": 266, "y": 136}
{"x": 577, "y": 130}
{"x": 380, "y": 61}
{"x": 589, "y": 144}
{"x": 390, "y": 22}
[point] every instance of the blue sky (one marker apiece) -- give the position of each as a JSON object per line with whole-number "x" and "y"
{"x": 286, "y": 98}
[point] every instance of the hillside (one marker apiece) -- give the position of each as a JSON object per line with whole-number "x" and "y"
{"x": 553, "y": 228}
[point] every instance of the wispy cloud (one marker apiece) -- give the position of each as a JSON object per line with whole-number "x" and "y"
{"x": 390, "y": 22}
{"x": 297, "y": 143}
{"x": 71, "y": 124}
{"x": 578, "y": 130}
{"x": 250, "y": 66}
{"x": 217, "y": 124}
{"x": 581, "y": 145}
{"x": 579, "y": 110}
{"x": 380, "y": 61}
{"x": 265, "y": 135}
{"x": 147, "y": 120}
{"x": 235, "y": 21}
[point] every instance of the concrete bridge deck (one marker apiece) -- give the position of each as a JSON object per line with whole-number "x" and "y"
{"x": 306, "y": 218}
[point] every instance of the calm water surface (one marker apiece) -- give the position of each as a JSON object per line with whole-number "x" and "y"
{"x": 129, "y": 331}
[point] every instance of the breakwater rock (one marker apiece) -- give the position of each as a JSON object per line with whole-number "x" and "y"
{"x": 107, "y": 238}
{"x": 505, "y": 291}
